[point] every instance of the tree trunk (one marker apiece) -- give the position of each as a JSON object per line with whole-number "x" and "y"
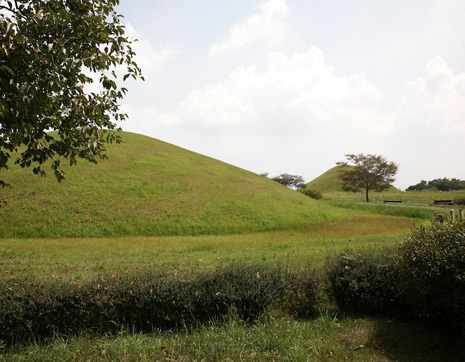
{"x": 366, "y": 195}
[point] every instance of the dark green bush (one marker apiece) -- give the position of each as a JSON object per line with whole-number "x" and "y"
{"x": 150, "y": 302}
{"x": 433, "y": 267}
{"x": 245, "y": 290}
{"x": 459, "y": 200}
{"x": 248, "y": 290}
{"x": 364, "y": 283}
{"x": 303, "y": 294}
{"x": 313, "y": 193}
{"x": 30, "y": 310}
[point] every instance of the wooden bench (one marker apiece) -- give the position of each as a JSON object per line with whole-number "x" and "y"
{"x": 392, "y": 201}
{"x": 443, "y": 202}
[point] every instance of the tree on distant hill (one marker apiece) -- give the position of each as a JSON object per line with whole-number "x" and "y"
{"x": 439, "y": 184}
{"x": 292, "y": 181}
{"x": 369, "y": 172}
{"x": 49, "y": 51}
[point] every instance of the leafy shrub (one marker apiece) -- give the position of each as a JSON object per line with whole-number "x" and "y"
{"x": 303, "y": 294}
{"x": 433, "y": 267}
{"x": 244, "y": 290}
{"x": 30, "y": 310}
{"x": 313, "y": 193}
{"x": 459, "y": 200}
{"x": 364, "y": 283}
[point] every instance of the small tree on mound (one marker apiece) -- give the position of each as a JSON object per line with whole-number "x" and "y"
{"x": 292, "y": 181}
{"x": 369, "y": 172}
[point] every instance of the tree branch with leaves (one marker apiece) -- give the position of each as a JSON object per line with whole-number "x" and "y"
{"x": 48, "y": 52}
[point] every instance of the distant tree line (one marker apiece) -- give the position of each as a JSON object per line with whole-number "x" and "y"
{"x": 440, "y": 184}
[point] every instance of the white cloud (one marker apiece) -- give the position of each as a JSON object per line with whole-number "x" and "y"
{"x": 151, "y": 59}
{"x": 216, "y": 104}
{"x": 294, "y": 101}
{"x": 435, "y": 101}
{"x": 430, "y": 125}
{"x": 265, "y": 24}
{"x": 296, "y": 114}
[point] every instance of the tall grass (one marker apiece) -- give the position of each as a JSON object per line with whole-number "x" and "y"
{"x": 326, "y": 338}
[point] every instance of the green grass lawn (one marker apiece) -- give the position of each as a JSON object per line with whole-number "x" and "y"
{"x": 82, "y": 258}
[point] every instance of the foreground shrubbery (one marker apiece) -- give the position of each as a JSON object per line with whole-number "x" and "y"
{"x": 427, "y": 277}
{"x": 432, "y": 262}
{"x": 30, "y": 310}
{"x": 365, "y": 283}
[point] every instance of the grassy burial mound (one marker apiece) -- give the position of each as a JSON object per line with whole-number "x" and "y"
{"x": 328, "y": 181}
{"x": 148, "y": 187}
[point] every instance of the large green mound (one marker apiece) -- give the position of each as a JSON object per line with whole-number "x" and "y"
{"x": 148, "y": 187}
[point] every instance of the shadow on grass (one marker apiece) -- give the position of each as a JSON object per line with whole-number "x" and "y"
{"x": 412, "y": 341}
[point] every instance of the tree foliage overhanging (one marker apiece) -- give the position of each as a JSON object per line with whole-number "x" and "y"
{"x": 369, "y": 173}
{"x": 49, "y": 51}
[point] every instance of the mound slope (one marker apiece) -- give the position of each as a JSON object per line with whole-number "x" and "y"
{"x": 328, "y": 181}
{"x": 149, "y": 187}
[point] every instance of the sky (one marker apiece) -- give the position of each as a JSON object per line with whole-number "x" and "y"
{"x": 292, "y": 86}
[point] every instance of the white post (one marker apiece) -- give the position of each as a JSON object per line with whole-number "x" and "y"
{"x": 461, "y": 214}
{"x": 452, "y": 215}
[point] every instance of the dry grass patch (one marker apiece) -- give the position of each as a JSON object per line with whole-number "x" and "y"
{"x": 82, "y": 258}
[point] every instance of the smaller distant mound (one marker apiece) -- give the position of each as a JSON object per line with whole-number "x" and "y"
{"x": 330, "y": 181}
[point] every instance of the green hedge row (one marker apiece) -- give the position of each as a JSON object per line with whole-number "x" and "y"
{"x": 426, "y": 278}
{"x": 30, "y": 310}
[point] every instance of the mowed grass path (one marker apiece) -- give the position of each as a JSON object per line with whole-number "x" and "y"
{"x": 82, "y": 258}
